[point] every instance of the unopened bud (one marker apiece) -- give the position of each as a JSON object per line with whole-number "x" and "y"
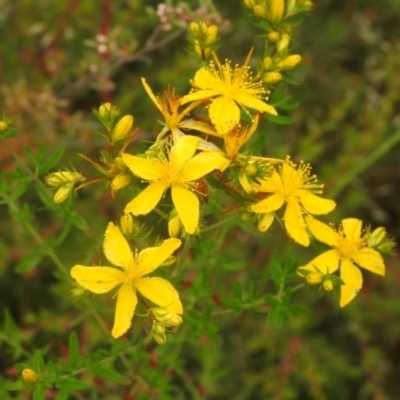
{"x": 3, "y": 126}
{"x": 377, "y": 237}
{"x": 272, "y": 77}
{"x": 166, "y": 318}
{"x": 283, "y": 43}
{"x": 315, "y": 278}
{"x": 212, "y": 32}
{"x": 246, "y": 217}
{"x": 57, "y": 179}
{"x": 120, "y": 181}
{"x": 259, "y": 11}
{"x": 289, "y": 62}
{"x": 29, "y": 375}
{"x": 104, "y": 109}
{"x": 327, "y": 285}
{"x": 273, "y": 36}
{"x": 276, "y": 10}
{"x": 251, "y": 170}
{"x": 120, "y": 164}
{"x": 160, "y": 338}
{"x": 265, "y": 222}
{"x": 127, "y": 225}
{"x": 174, "y": 226}
{"x": 121, "y": 130}
{"x": 267, "y": 63}
{"x": 249, "y": 3}
{"x": 63, "y": 193}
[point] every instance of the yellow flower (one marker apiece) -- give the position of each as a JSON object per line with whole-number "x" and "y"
{"x": 350, "y": 249}
{"x": 179, "y": 173}
{"x": 229, "y": 87}
{"x": 169, "y": 104}
{"x": 130, "y": 276}
{"x": 293, "y": 186}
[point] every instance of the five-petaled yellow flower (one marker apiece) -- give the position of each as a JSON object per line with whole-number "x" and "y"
{"x": 130, "y": 277}
{"x": 179, "y": 172}
{"x": 293, "y": 186}
{"x": 168, "y": 103}
{"x": 229, "y": 88}
{"x": 350, "y": 249}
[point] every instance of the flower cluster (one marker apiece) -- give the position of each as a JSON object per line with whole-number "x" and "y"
{"x": 179, "y": 170}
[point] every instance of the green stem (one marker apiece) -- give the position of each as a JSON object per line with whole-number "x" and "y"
{"x": 257, "y": 303}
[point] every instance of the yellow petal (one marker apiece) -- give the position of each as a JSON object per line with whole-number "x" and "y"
{"x": 315, "y": 204}
{"x": 252, "y": 102}
{"x": 352, "y": 228}
{"x": 160, "y": 292}
{"x": 97, "y": 279}
{"x": 268, "y": 205}
{"x": 152, "y": 257}
{"x": 326, "y": 263}
{"x": 371, "y": 260}
{"x": 116, "y": 248}
{"x": 224, "y": 114}
{"x": 187, "y": 206}
{"x": 294, "y": 222}
{"x": 353, "y": 280}
{"x": 124, "y": 310}
{"x": 152, "y": 96}
{"x": 146, "y": 200}
{"x": 183, "y": 149}
{"x": 322, "y": 232}
{"x": 199, "y": 126}
{"x": 146, "y": 168}
{"x": 202, "y": 164}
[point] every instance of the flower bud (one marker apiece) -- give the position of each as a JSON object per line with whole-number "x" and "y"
{"x": 272, "y": 77}
{"x": 246, "y": 217}
{"x": 104, "y": 109}
{"x": 251, "y": 170}
{"x": 283, "y": 43}
{"x": 267, "y": 63}
{"x": 57, "y": 179}
{"x": 276, "y": 10}
{"x": 273, "y": 36}
{"x": 259, "y": 11}
{"x": 265, "y": 222}
{"x": 127, "y": 224}
{"x": 249, "y": 3}
{"x": 377, "y": 237}
{"x": 3, "y": 126}
{"x": 327, "y": 285}
{"x": 289, "y": 62}
{"x": 63, "y": 193}
{"x": 166, "y": 318}
{"x": 193, "y": 28}
{"x": 29, "y": 375}
{"x": 174, "y": 226}
{"x": 120, "y": 181}
{"x": 160, "y": 338}
{"x": 121, "y": 130}
{"x": 315, "y": 278}
{"x": 120, "y": 164}
{"x": 212, "y": 32}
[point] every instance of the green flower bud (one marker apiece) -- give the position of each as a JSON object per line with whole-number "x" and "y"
{"x": 121, "y": 130}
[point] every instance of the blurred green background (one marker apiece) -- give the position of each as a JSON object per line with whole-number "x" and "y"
{"x": 61, "y": 59}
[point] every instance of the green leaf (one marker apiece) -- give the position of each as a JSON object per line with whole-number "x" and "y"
{"x": 38, "y": 393}
{"x": 279, "y": 119}
{"x": 31, "y": 262}
{"x": 73, "y": 350}
{"x": 14, "y": 386}
{"x": 238, "y": 291}
{"x": 71, "y": 384}
{"x": 18, "y": 192}
{"x": 108, "y": 373}
{"x": 271, "y": 300}
{"x": 51, "y": 161}
{"x": 38, "y": 360}
{"x": 63, "y": 393}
